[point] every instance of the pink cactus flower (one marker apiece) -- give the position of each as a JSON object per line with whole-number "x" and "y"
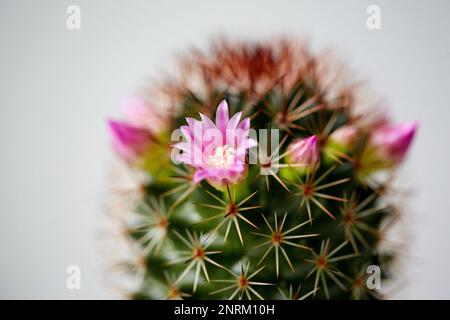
{"x": 391, "y": 142}
{"x": 216, "y": 150}
{"x": 129, "y": 142}
{"x": 304, "y": 151}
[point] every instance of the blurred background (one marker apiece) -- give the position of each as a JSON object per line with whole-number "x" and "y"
{"x": 58, "y": 86}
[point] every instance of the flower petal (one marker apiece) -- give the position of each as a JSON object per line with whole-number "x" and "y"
{"x": 234, "y": 121}
{"x": 207, "y": 122}
{"x": 222, "y": 116}
{"x": 186, "y": 131}
{"x": 190, "y": 122}
{"x": 199, "y": 175}
{"x": 250, "y": 143}
{"x": 245, "y": 124}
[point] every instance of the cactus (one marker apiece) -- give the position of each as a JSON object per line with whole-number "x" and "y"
{"x": 304, "y": 219}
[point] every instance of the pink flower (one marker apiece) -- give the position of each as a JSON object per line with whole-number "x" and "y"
{"x": 129, "y": 141}
{"x": 304, "y": 151}
{"x": 391, "y": 142}
{"x": 216, "y": 150}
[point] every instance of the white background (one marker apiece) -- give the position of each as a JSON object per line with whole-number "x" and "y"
{"x": 57, "y": 87}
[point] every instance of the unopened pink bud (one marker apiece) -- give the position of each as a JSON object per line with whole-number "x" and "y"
{"x": 129, "y": 141}
{"x": 304, "y": 151}
{"x": 391, "y": 142}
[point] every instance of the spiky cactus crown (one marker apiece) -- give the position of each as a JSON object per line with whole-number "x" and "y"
{"x": 308, "y": 213}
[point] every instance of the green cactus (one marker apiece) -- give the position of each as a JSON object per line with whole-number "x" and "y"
{"x": 293, "y": 232}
